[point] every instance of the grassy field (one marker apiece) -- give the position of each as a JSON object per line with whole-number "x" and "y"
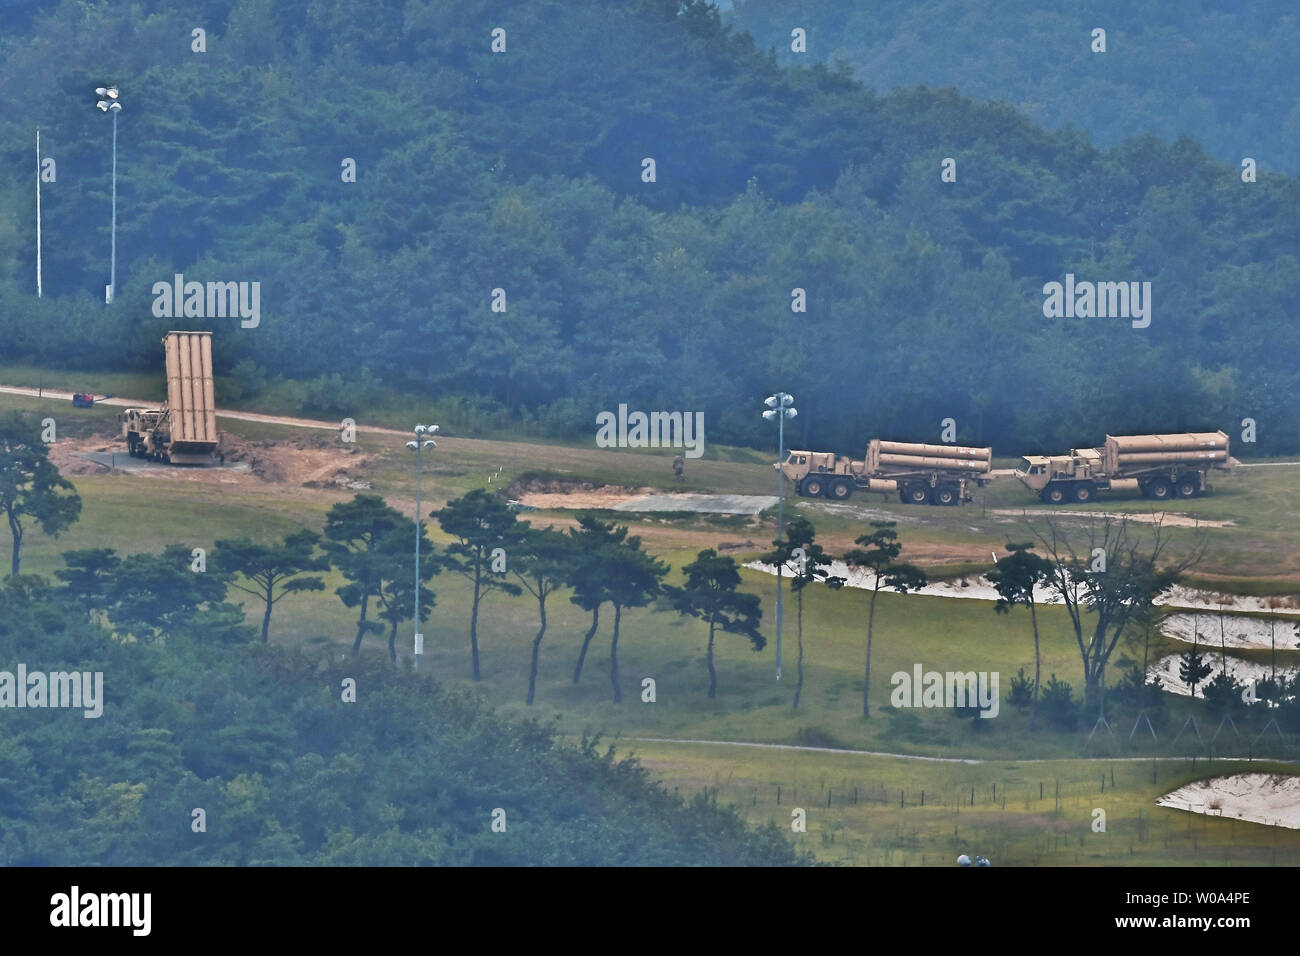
{"x": 1259, "y": 553}
{"x": 882, "y": 811}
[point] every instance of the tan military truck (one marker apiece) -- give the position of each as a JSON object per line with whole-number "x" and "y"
{"x": 1159, "y": 466}
{"x": 184, "y": 430}
{"x": 921, "y": 474}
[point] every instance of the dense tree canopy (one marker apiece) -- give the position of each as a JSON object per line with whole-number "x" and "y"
{"x": 522, "y": 171}
{"x": 1226, "y": 68}
{"x": 289, "y": 774}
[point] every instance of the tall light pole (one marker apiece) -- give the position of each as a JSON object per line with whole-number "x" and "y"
{"x": 421, "y": 442}
{"x": 38, "y": 214}
{"x": 108, "y": 104}
{"x": 779, "y": 407}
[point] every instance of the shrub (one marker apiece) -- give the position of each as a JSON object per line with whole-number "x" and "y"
{"x": 1021, "y": 695}
{"x": 1058, "y": 706}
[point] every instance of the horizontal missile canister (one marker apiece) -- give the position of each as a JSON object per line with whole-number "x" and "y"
{"x": 1127, "y": 452}
{"x": 190, "y": 402}
{"x": 896, "y": 457}
{"x": 1202, "y": 441}
{"x": 918, "y": 463}
{"x": 1172, "y": 457}
{"x": 932, "y": 451}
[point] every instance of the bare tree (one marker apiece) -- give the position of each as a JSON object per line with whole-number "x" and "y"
{"x": 1113, "y": 574}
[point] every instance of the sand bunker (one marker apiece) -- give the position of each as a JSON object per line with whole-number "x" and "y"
{"x": 1243, "y": 671}
{"x": 1254, "y": 797}
{"x": 979, "y": 588}
{"x": 1179, "y": 596}
{"x": 1238, "y": 631}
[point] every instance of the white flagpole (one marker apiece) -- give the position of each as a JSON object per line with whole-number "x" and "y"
{"x": 38, "y": 214}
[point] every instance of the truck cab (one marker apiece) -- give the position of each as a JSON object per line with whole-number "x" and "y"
{"x": 1034, "y": 471}
{"x": 1062, "y": 478}
{"x": 799, "y": 464}
{"x": 818, "y": 474}
{"x": 140, "y": 429}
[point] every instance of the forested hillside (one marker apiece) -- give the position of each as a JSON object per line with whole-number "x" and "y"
{"x": 1220, "y": 70}
{"x": 287, "y": 771}
{"x": 522, "y": 171}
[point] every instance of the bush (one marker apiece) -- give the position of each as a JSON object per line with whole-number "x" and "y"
{"x": 1021, "y": 695}
{"x": 816, "y": 737}
{"x": 1132, "y": 693}
{"x": 1223, "y": 694}
{"x": 904, "y": 725}
{"x": 1058, "y": 705}
{"x": 246, "y": 380}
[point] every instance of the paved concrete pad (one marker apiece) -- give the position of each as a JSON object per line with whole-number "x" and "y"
{"x": 714, "y": 504}
{"x": 120, "y": 459}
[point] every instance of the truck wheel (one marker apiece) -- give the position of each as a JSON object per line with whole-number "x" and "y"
{"x": 812, "y": 487}
{"x": 1159, "y": 489}
{"x": 945, "y": 495}
{"x": 1055, "y": 493}
{"x": 1187, "y": 486}
{"x": 841, "y": 489}
{"x": 917, "y": 494}
{"x": 1083, "y": 492}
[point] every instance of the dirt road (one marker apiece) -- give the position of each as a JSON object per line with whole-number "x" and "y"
{"x": 221, "y": 413}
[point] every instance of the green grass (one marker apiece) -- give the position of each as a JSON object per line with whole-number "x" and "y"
{"x": 143, "y": 385}
{"x": 864, "y": 810}
{"x": 133, "y": 513}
